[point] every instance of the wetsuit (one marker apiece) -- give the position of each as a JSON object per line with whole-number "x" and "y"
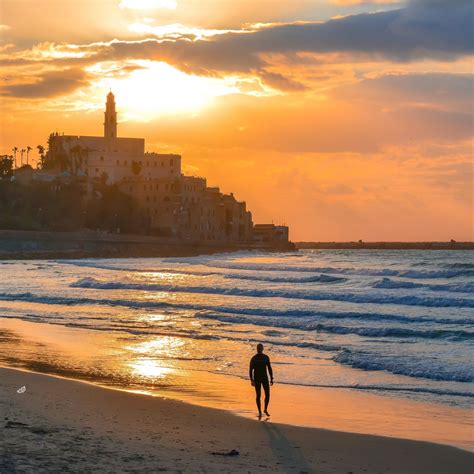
{"x": 258, "y": 374}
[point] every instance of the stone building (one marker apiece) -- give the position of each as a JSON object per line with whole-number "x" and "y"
{"x": 172, "y": 204}
{"x": 270, "y": 233}
{"x": 111, "y": 157}
{"x": 187, "y": 209}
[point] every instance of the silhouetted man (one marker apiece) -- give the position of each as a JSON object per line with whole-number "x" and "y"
{"x": 259, "y": 364}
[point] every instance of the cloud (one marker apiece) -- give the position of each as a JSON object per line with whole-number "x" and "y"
{"x": 280, "y": 82}
{"x": 421, "y": 30}
{"x": 436, "y": 29}
{"x": 148, "y": 4}
{"x": 48, "y": 84}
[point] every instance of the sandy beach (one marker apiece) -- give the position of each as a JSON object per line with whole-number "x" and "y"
{"x": 60, "y": 425}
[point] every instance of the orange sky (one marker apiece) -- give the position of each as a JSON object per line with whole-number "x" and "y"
{"x": 345, "y": 119}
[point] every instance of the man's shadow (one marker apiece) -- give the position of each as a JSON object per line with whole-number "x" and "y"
{"x": 291, "y": 458}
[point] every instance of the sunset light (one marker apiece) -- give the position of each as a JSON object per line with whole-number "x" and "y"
{"x": 236, "y": 236}
{"x": 153, "y": 89}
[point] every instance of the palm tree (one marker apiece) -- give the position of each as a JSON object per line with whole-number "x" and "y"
{"x": 15, "y": 149}
{"x": 22, "y": 151}
{"x": 28, "y": 149}
{"x": 41, "y": 154}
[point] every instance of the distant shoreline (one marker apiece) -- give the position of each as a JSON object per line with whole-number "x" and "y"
{"x": 42, "y": 245}
{"x": 386, "y": 245}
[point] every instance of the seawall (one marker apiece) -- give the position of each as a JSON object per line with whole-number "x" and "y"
{"x": 16, "y": 244}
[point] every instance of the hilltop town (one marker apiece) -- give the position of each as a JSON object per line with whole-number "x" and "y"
{"x": 113, "y": 185}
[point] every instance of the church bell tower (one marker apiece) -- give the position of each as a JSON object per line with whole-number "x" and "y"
{"x": 110, "y": 123}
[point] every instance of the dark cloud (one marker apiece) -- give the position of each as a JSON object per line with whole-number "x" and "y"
{"x": 48, "y": 84}
{"x": 423, "y": 29}
{"x": 279, "y": 81}
{"x": 438, "y": 29}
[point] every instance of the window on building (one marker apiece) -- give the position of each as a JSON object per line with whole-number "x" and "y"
{"x": 101, "y": 158}
{"x": 171, "y": 162}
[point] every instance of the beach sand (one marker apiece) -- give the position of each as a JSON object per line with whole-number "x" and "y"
{"x": 60, "y": 425}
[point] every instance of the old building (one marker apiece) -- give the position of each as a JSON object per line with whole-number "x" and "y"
{"x": 111, "y": 157}
{"x": 172, "y": 204}
{"x": 270, "y": 233}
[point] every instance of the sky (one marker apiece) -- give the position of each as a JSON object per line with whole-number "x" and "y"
{"x": 344, "y": 119}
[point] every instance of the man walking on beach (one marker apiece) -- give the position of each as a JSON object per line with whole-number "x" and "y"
{"x": 258, "y": 377}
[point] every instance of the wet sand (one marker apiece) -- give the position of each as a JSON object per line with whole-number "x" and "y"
{"x": 58, "y": 425}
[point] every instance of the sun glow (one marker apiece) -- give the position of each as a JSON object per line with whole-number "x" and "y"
{"x": 148, "y": 4}
{"x": 149, "y": 368}
{"x": 154, "y": 89}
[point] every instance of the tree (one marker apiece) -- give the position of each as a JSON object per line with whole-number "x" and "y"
{"x": 28, "y": 149}
{"x": 41, "y": 155}
{"x": 21, "y": 154}
{"x": 15, "y": 149}
{"x": 6, "y": 166}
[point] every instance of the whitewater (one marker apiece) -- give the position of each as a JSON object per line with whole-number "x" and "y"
{"x": 398, "y": 323}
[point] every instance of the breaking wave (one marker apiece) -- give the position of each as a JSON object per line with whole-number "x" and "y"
{"x": 408, "y": 367}
{"x": 389, "y": 284}
{"x": 408, "y": 300}
{"x": 428, "y": 274}
{"x": 258, "y": 314}
{"x": 393, "y": 332}
{"x": 310, "y": 279}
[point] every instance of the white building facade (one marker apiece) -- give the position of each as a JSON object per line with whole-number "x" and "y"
{"x": 113, "y": 158}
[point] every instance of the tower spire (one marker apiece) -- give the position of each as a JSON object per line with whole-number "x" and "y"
{"x": 110, "y": 122}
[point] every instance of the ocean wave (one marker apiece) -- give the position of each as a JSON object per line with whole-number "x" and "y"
{"x": 389, "y": 284}
{"x": 172, "y": 271}
{"x": 459, "y": 265}
{"x": 383, "y": 388}
{"x": 255, "y": 312}
{"x": 309, "y": 325}
{"x": 231, "y": 276}
{"x": 416, "y": 274}
{"x": 407, "y": 367}
{"x": 454, "y": 270}
{"x": 92, "y": 283}
{"x": 311, "y": 279}
{"x": 390, "y": 388}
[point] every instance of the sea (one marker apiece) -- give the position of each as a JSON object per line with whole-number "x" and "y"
{"x": 391, "y": 322}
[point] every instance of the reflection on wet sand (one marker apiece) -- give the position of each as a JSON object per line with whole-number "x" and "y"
{"x": 159, "y": 366}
